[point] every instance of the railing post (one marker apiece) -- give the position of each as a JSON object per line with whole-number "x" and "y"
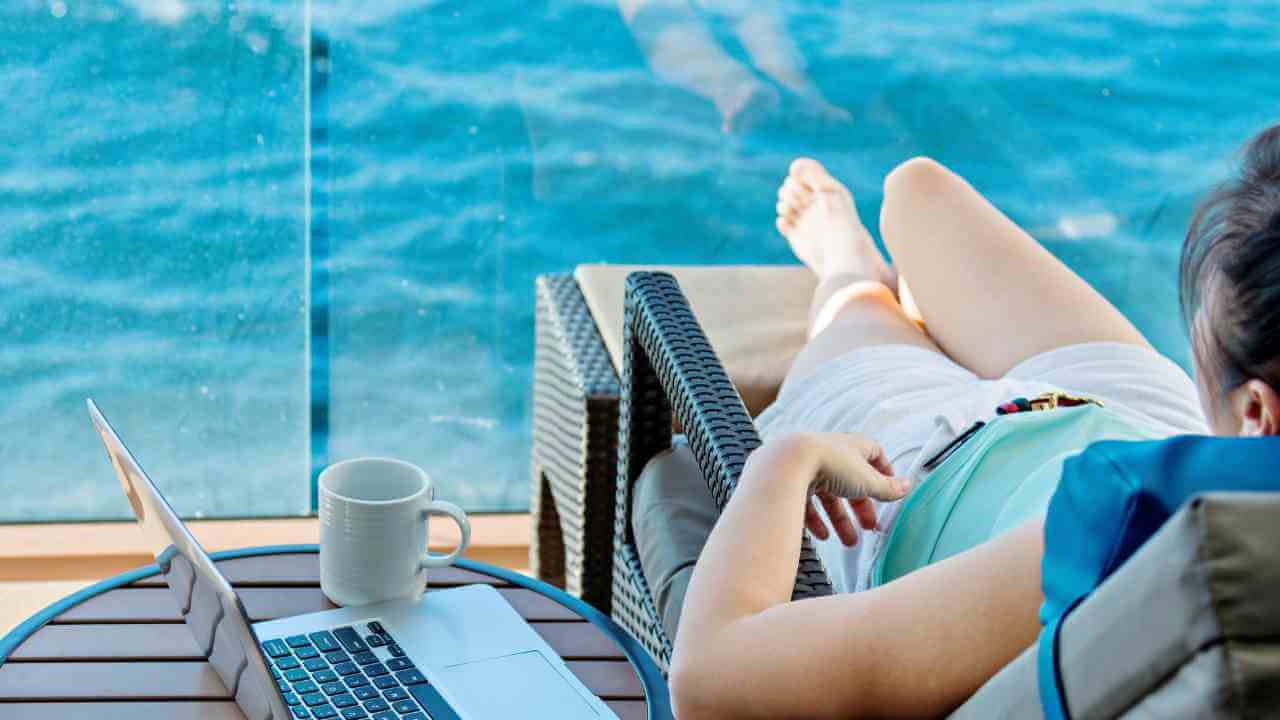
{"x": 317, "y": 248}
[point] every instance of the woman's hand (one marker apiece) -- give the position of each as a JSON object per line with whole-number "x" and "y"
{"x": 848, "y": 470}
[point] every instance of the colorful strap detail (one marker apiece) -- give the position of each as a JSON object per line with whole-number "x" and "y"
{"x": 1047, "y": 401}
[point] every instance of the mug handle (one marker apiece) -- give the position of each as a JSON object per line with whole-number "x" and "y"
{"x": 430, "y": 560}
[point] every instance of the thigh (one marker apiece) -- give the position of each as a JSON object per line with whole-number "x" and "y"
{"x": 672, "y": 514}
{"x": 989, "y": 294}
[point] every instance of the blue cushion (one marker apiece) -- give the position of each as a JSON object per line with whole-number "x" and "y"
{"x": 1112, "y": 498}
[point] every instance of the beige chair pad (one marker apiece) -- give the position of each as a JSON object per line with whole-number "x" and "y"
{"x": 756, "y": 316}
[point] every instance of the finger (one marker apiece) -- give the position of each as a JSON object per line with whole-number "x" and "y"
{"x": 880, "y": 462}
{"x": 839, "y": 518}
{"x": 813, "y": 521}
{"x": 865, "y": 512}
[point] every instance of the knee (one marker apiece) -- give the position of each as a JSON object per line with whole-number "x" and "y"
{"x": 908, "y": 190}
{"x": 915, "y": 175}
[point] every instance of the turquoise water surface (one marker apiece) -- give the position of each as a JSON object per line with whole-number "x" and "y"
{"x": 153, "y": 248}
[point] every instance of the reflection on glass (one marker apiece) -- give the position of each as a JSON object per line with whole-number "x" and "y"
{"x": 683, "y": 50}
{"x": 152, "y": 253}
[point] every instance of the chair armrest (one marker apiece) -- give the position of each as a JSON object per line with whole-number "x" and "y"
{"x": 669, "y": 364}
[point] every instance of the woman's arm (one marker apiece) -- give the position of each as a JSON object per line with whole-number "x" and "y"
{"x": 915, "y": 647}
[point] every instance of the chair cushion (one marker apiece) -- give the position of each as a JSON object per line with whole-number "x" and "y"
{"x": 756, "y": 316}
{"x": 1186, "y": 628}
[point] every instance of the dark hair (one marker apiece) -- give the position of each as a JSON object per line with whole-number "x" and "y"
{"x": 1230, "y": 272}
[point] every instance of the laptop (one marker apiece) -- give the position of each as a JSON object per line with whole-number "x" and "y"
{"x": 462, "y": 653}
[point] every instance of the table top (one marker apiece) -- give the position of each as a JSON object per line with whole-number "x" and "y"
{"x": 119, "y": 648}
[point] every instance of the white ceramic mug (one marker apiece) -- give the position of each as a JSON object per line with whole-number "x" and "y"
{"x": 373, "y": 530}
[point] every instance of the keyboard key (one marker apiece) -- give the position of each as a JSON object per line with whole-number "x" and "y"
{"x": 365, "y": 658}
{"x": 324, "y": 711}
{"x": 287, "y": 663}
{"x": 376, "y": 628}
{"x": 376, "y": 640}
{"x": 284, "y": 686}
{"x": 333, "y": 688}
{"x": 377, "y": 705}
{"x": 384, "y": 682}
{"x": 395, "y": 693}
{"x": 300, "y": 712}
{"x": 291, "y": 699}
{"x": 350, "y": 639}
{"x": 342, "y": 701}
{"x": 353, "y": 713}
{"x": 346, "y": 668}
{"x": 304, "y": 687}
{"x": 306, "y": 653}
{"x": 298, "y": 641}
{"x": 336, "y": 657}
{"x": 316, "y": 664}
{"x": 275, "y": 648}
{"x": 375, "y": 670}
{"x": 405, "y": 706}
{"x": 313, "y": 699}
{"x": 399, "y": 664}
{"x": 395, "y": 650}
{"x": 296, "y": 675}
{"x": 432, "y": 702}
{"x": 385, "y": 716}
{"x": 411, "y": 677}
{"x": 325, "y": 641}
{"x": 354, "y": 681}
{"x": 324, "y": 676}
{"x": 275, "y": 673}
{"x": 365, "y": 693}
{"x": 414, "y": 716}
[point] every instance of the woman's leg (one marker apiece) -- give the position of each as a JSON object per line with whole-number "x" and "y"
{"x": 853, "y": 306}
{"x": 989, "y": 294}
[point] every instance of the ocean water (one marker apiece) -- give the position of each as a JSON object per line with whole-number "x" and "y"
{"x": 153, "y": 249}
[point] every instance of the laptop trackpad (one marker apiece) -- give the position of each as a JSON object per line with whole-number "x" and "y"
{"x": 521, "y": 685}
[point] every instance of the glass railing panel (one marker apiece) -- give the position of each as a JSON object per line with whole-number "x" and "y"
{"x": 476, "y": 145}
{"x": 152, "y": 254}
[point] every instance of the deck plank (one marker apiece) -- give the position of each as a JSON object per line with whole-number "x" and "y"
{"x": 120, "y": 642}
{"x": 169, "y": 680}
{"x": 625, "y": 709}
{"x": 154, "y": 605}
{"x": 212, "y": 710}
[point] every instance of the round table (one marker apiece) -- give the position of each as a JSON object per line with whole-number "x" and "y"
{"x": 119, "y": 649}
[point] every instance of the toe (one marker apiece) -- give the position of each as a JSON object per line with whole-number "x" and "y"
{"x": 784, "y": 225}
{"x": 787, "y": 211}
{"x": 795, "y": 194}
{"x": 812, "y": 173}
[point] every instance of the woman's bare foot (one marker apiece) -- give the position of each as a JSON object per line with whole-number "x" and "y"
{"x": 816, "y": 214}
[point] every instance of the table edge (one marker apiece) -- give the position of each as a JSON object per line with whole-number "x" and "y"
{"x": 655, "y": 687}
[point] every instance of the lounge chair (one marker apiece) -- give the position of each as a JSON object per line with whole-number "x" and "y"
{"x": 1187, "y": 628}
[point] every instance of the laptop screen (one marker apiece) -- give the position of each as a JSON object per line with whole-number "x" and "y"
{"x": 208, "y": 604}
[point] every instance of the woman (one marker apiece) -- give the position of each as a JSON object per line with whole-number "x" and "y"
{"x": 876, "y": 402}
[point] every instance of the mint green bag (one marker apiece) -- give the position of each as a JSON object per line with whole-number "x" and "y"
{"x": 1001, "y": 477}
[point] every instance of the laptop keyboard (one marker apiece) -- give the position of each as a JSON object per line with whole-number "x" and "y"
{"x": 356, "y": 672}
